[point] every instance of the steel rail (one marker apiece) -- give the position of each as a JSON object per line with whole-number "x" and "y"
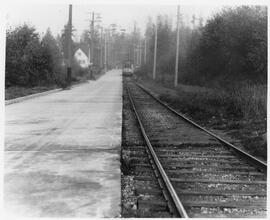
{"x": 178, "y": 204}
{"x": 249, "y": 157}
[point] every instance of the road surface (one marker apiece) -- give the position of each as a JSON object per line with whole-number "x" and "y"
{"x": 62, "y": 152}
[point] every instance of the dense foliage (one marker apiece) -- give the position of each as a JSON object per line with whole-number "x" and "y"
{"x": 29, "y": 61}
{"x": 33, "y": 61}
{"x": 233, "y": 46}
{"x": 230, "y": 48}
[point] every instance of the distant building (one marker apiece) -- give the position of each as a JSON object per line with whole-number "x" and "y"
{"x": 81, "y": 58}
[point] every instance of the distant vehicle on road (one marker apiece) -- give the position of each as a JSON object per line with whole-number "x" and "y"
{"x": 136, "y": 68}
{"x": 128, "y": 69}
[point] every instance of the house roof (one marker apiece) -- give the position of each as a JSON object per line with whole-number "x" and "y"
{"x": 84, "y": 47}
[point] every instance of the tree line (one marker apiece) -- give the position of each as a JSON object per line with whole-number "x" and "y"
{"x": 32, "y": 60}
{"x": 230, "y": 47}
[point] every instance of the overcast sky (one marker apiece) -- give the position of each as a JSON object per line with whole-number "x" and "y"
{"x": 43, "y": 14}
{"x": 55, "y": 16}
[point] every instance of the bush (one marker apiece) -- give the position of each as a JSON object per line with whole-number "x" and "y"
{"x": 233, "y": 47}
{"x": 230, "y": 48}
{"x": 29, "y": 61}
{"x": 250, "y": 99}
{"x": 18, "y": 45}
{"x": 78, "y": 72}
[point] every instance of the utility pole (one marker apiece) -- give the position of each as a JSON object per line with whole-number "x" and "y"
{"x": 105, "y": 51}
{"x": 101, "y": 53}
{"x": 145, "y": 50}
{"x": 177, "y": 48}
{"x": 108, "y": 49}
{"x": 89, "y": 54}
{"x": 69, "y": 45}
{"x": 155, "y": 54}
{"x": 140, "y": 51}
{"x": 193, "y": 22}
{"x": 92, "y": 37}
{"x": 134, "y": 46}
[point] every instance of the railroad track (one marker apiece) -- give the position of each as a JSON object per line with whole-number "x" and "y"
{"x": 198, "y": 173}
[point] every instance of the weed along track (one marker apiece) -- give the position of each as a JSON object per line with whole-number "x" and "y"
{"x": 180, "y": 170}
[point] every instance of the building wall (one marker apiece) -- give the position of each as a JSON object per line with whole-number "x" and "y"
{"x": 82, "y": 58}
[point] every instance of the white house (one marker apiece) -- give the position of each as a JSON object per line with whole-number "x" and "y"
{"x": 81, "y": 58}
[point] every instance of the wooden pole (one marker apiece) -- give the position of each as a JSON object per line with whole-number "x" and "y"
{"x": 105, "y": 51}
{"x": 134, "y": 46}
{"x": 101, "y": 51}
{"x": 140, "y": 51}
{"x": 177, "y": 48}
{"x": 92, "y": 37}
{"x": 145, "y": 50}
{"x": 69, "y": 45}
{"x": 155, "y": 54}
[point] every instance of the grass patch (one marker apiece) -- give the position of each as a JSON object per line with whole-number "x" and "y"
{"x": 13, "y": 92}
{"x": 18, "y": 91}
{"x": 239, "y": 112}
{"x": 250, "y": 99}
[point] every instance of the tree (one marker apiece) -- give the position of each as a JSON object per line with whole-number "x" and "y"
{"x": 17, "y": 41}
{"x": 30, "y": 62}
{"x": 233, "y": 45}
{"x": 53, "y": 53}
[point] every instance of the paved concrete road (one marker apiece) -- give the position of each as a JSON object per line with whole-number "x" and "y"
{"x": 62, "y": 152}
